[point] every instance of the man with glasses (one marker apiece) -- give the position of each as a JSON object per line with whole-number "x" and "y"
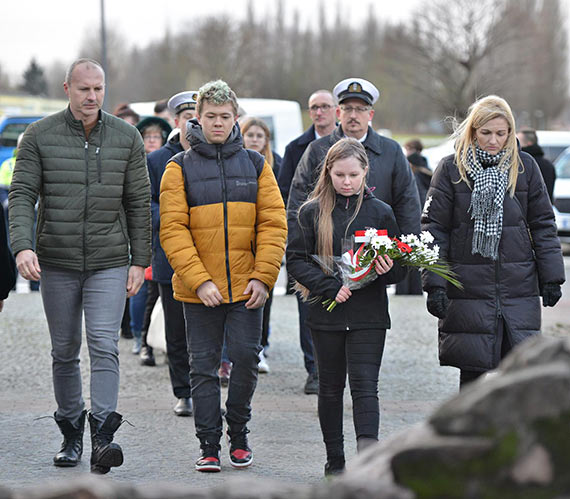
{"x": 322, "y": 109}
{"x": 390, "y": 177}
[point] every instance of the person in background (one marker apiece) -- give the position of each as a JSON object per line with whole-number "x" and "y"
{"x": 223, "y": 228}
{"x": 488, "y": 210}
{"x": 183, "y": 106}
{"x": 350, "y": 338}
{"x": 389, "y": 176}
{"x": 6, "y": 173}
{"x": 154, "y": 132}
{"x": 412, "y": 283}
{"x": 529, "y": 143}
{"x": 125, "y": 112}
{"x": 7, "y": 264}
{"x": 322, "y": 110}
{"x": 161, "y": 110}
{"x": 88, "y": 169}
{"x": 257, "y": 137}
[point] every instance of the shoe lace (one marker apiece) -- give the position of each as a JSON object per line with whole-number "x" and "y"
{"x": 239, "y": 441}
{"x": 210, "y": 450}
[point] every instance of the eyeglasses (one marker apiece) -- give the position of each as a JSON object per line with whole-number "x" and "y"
{"x": 324, "y": 107}
{"x": 358, "y": 109}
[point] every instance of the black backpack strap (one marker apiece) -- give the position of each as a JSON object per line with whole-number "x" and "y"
{"x": 257, "y": 159}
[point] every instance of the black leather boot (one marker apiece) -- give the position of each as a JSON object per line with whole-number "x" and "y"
{"x": 72, "y": 445}
{"x": 104, "y": 453}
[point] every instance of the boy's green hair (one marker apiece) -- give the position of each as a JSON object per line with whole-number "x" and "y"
{"x": 216, "y": 92}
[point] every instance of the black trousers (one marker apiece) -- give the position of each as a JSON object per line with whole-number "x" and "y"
{"x": 152, "y": 295}
{"x": 176, "y": 349}
{"x": 504, "y": 339}
{"x": 358, "y": 353}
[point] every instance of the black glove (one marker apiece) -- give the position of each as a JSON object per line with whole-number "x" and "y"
{"x": 551, "y": 293}
{"x": 437, "y": 303}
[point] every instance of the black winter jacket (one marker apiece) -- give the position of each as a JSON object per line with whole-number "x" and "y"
{"x": 389, "y": 177}
{"x": 367, "y": 308}
{"x": 507, "y": 288}
{"x": 546, "y": 168}
{"x": 293, "y": 153}
{"x": 7, "y": 263}
{"x": 161, "y": 270}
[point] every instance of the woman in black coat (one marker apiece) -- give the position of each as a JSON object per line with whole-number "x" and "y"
{"x": 489, "y": 212}
{"x": 350, "y": 338}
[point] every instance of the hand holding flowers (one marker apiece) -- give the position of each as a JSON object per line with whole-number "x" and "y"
{"x": 379, "y": 251}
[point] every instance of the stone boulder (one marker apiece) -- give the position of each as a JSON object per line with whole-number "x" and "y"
{"x": 507, "y": 435}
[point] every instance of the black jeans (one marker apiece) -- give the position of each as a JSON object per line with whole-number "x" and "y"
{"x": 205, "y": 334}
{"x": 176, "y": 344}
{"x": 504, "y": 340}
{"x": 359, "y": 353}
{"x": 305, "y": 336}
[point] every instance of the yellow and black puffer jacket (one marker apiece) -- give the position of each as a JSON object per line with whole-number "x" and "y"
{"x": 222, "y": 218}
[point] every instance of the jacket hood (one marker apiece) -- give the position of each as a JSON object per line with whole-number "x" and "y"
{"x": 198, "y": 142}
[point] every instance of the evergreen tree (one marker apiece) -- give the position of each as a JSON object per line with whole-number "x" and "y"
{"x": 35, "y": 82}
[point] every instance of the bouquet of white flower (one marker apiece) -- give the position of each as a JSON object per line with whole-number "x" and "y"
{"x": 356, "y": 268}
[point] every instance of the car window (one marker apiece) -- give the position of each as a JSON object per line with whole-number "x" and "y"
{"x": 552, "y": 152}
{"x": 562, "y": 166}
{"x": 9, "y": 136}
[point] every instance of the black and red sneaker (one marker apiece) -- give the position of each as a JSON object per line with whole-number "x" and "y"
{"x": 209, "y": 459}
{"x": 241, "y": 455}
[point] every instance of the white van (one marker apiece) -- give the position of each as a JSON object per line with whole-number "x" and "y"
{"x": 283, "y": 117}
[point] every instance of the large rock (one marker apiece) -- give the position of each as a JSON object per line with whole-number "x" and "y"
{"x": 505, "y": 436}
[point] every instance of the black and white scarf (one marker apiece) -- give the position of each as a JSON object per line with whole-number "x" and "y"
{"x": 490, "y": 185}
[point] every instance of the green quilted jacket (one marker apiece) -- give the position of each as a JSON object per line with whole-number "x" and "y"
{"x": 94, "y": 195}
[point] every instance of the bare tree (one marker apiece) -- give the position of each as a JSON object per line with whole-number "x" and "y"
{"x": 456, "y": 48}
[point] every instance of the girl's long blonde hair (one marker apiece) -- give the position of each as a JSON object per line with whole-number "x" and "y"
{"x": 247, "y": 124}
{"x": 480, "y": 113}
{"x": 325, "y": 195}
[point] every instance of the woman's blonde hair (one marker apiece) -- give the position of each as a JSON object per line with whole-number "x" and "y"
{"x": 480, "y": 113}
{"x": 325, "y": 195}
{"x": 247, "y": 124}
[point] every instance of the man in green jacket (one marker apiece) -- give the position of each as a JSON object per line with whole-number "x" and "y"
{"x": 92, "y": 245}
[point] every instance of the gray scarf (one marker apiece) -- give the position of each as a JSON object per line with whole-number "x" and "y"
{"x": 490, "y": 185}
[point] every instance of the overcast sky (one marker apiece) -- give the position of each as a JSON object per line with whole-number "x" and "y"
{"x": 53, "y": 30}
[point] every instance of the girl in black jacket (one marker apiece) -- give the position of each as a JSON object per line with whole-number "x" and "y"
{"x": 351, "y": 337}
{"x": 488, "y": 210}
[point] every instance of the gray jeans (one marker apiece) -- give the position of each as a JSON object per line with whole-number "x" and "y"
{"x": 100, "y": 295}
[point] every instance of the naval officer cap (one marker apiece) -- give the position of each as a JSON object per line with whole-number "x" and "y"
{"x": 356, "y": 88}
{"x": 183, "y": 100}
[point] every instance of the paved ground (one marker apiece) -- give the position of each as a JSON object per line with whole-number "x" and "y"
{"x": 162, "y": 447}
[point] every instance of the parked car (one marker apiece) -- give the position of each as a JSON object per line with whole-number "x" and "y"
{"x": 552, "y": 142}
{"x": 10, "y": 128}
{"x": 562, "y": 195}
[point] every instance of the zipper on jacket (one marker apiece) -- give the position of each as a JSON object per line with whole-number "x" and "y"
{"x": 86, "y": 203}
{"x": 225, "y": 205}
{"x": 98, "y": 156}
